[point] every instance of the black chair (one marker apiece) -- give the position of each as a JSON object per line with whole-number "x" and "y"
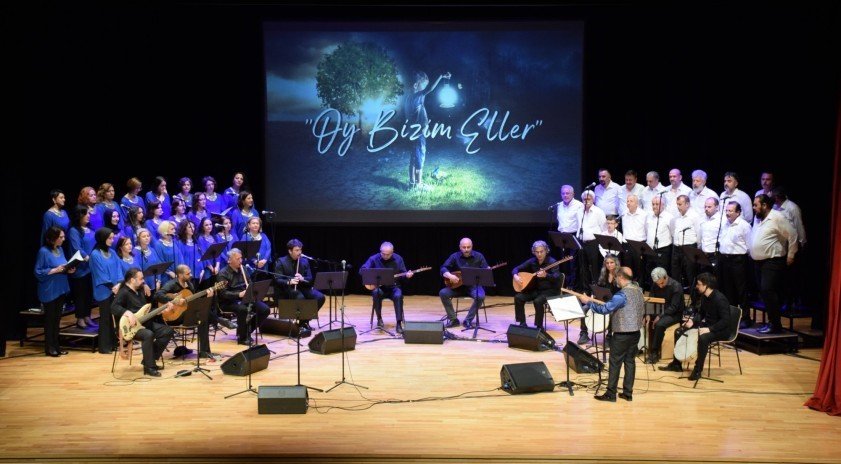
{"x": 733, "y": 333}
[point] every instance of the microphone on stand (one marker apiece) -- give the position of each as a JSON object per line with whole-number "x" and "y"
{"x": 592, "y": 184}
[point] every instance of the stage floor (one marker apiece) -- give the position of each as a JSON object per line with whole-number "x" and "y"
{"x": 423, "y": 403}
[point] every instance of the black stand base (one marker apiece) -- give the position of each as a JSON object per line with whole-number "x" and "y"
{"x": 249, "y": 389}
{"x": 344, "y": 382}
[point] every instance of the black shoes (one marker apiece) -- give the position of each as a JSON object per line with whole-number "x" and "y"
{"x": 672, "y": 367}
{"x": 245, "y": 341}
{"x": 453, "y": 323}
{"x": 226, "y": 323}
{"x": 380, "y": 324}
{"x": 770, "y": 330}
{"x": 606, "y": 397}
{"x": 56, "y": 354}
{"x": 304, "y": 331}
{"x": 467, "y": 324}
{"x": 399, "y": 327}
{"x": 583, "y": 338}
{"x": 652, "y": 358}
{"x": 695, "y": 375}
{"x": 151, "y": 372}
{"x": 626, "y": 396}
{"x": 522, "y": 324}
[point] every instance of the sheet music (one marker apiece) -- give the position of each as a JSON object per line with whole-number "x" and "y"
{"x": 565, "y": 308}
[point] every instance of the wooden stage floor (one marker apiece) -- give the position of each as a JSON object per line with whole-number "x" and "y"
{"x": 425, "y": 403}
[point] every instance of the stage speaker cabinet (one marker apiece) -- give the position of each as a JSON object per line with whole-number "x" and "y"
{"x": 282, "y": 400}
{"x": 239, "y": 364}
{"x": 528, "y": 338}
{"x": 530, "y": 377}
{"x": 581, "y": 361}
{"x": 330, "y": 341}
{"x": 428, "y": 333}
{"x": 285, "y": 327}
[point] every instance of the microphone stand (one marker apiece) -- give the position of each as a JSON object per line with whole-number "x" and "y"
{"x": 248, "y": 317}
{"x": 342, "y": 330}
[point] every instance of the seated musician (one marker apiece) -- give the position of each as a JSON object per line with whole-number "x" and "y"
{"x": 169, "y": 292}
{"x": 387, "y": 258}
{"x": 154, "y": 336}
{"x": 712, "y": 322}
{"x": 673, "y": 309}
{"x": 230, "y": 299}
{"x": 466, "y": 257}
{"x": 544, "y": 284}
{"x": 295, "y": 280}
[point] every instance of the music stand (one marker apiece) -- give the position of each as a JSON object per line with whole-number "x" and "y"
{"x": 217, "y": 217}
{"x": 249, "y": 248}
{"x": 331, "y": 281}
{"x": 696, "y": 255}
{"x": 256, "y": 291}
{"x": 197, "y": 313}
{"x": 154, "y": 270}
{"x": 602, "y": 294}
{"x": 378, "y": 276}
{"x": 480, "y": 276}
{"x": 642, "y": 251}
{"x": 565, "y": 309}
{"x": 299, "y": 309}
{"x": 564, "y": 240}
{"x": 609, "y": 243}
{"x": 213, "y": 252}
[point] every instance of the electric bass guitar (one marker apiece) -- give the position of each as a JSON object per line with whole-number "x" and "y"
{"x": 402, "y": 274}
{"x": 175, "y": 312}
{"x": 458, "y": 284}
{"x": 526, "y": 278}
{"x": 128, "y": 331}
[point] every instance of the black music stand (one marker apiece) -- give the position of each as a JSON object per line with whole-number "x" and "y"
{"x": 154, "y": 270}
{"x": 331, "y": 281}
{"x": 602, "y": 294}
{"x": 479, "y": 276}
{"x": 609, "y": 243}
{"x": 197, "y": 313}
{"x": 566, "y": 306}
{"x": 696, "y": 255}
{"x": 249, "y": 248}
{"x": 644, "y": 252}
{"x": 565, "y": 240}
{"x": 217, "y": 217}
{"x": 256, "y": 291}
{"x": 214, "y": 251}
{"x": 378, "y": 276}
{"x": 299, "y": 309}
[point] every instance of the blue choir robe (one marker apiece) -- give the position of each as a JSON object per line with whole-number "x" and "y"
{"x": 52, "y": 286}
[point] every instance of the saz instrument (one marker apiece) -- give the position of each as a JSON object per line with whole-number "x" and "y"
{"x": 458, "y": 284}
{"x": 526, "y": 278}
{"x": 402, "y": 274}
{"x": 177, "y": 310}
{"x": 128, "y": 331}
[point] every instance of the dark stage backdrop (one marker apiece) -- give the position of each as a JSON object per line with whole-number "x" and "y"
{"x": 103, "y": 93}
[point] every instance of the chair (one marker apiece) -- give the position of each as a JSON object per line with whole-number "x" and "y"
{"x": 121, "y": 342}
{"x": 733, "y": 333}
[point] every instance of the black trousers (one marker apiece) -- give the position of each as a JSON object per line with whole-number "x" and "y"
{"x": 82, "y": 291}
{"x": 683, "y": 269}
{"x": 623, "y": 352}
{"x": 660, "y": 327}
{"x": 392, "y": 293}
{"x": 662, "y": 258}
{"x": 107, "y": 335}
{"x": 734, "y": 280}
{"x": 771, "y": 280}
{"x": 52, "y": 319}
{"x": 538, "y": 299}
{"x": 153, "y": 338}
{"x": 244, "y": 327}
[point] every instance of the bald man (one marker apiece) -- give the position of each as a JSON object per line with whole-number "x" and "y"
{"x": 465, "y": 257}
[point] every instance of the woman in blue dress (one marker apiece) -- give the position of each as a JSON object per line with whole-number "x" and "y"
{"x": 199, "y": 210}
{"x": 55, "y": 215}
{"x": 105, "y": 201}
{"x": 82, "y": 240}
{"x": 134, "y": 223}
{"x": 165, "y": 247}
{"x": 132, "y": 197}
{"x": 154, "y": 220}
{"x": 255, "y": 233}
{"x": 105, "y": 272}
{"x": 184, "y": 187}
{"x": 147, "y": 256}
{"x": 158, "y": 193}
{"x": 179, "y": 211}
{"x": 215, "y": 202}
{"x": 51, "y": 272}
{"x": 244, "y": 212}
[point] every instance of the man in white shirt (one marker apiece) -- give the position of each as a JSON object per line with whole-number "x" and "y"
{"x": 766, "y": 181}
{"x": 700, "y": 192}
{"x": 795, "y": 281}
{"x": 633, "y": 228}
{"x": 658, "y": 233}
{"x": 653, "y": 189}
{"x": 733, "y": 259}
{"x": 569, "y": 212}
{"x": 607, "y": 194}
{"x": 631, "y": 187}
{"x": 676, "y": 188}
{"x": 772, "y": 245}
{"x": 686, "y": 227}
{"x": 592, "y": 222}
{"x": 732, "y": 192}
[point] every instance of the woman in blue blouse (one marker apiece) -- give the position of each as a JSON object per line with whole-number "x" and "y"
{"x": 132, "y": 198}
{"x": 199, "y": 210}
{"x": 165, "y": 247}
{"x": 147, "y": 256}
{"x": 188, "y": 252}
{"x": 184, "y": 187}
{"x": 158, "y": 193}
{"x": 55, "y": 215}
{"x": 50, "y": 270}
{"x": 255, "y": 232}
{"x": 215, "y": 202}
{"x": 81, "y": 239}
{"x": 134, "y": 223}
{"x": 105, "y": 272}
{"x": 232, "y": 193}
{"x": 244, "y": 212}
{"x": 154, "y": 220}
{"x": 105, "y": 201}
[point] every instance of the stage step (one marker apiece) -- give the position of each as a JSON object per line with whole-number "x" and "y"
{"x": 755, "y": 342}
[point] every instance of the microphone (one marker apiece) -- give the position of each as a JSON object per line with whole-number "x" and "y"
{"x": 553, "y": 206}
{"x": 685, "y": 229}
{"x": 308, "y": 257}
{"x": 265, "y": 212}
{"x": 344, "y": 264}
{"x": 249, "y": 268}
{"x": 727, "y": 198}
{"x": 218, "y": 227}
{"x": 592, "y": 184}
